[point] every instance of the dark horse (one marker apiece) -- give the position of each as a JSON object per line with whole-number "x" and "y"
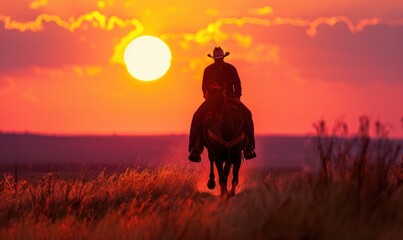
{"x": 224, "y": 137}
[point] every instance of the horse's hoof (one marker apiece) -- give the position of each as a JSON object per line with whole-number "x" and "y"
{"x": 211, "y": 184}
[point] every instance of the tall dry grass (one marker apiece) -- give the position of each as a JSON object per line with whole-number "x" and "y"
{"x": 356, "y": 194}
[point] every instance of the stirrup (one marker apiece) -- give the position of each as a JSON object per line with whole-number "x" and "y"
{"x": 249, "y": 153}
{"x": 194, "y": 156}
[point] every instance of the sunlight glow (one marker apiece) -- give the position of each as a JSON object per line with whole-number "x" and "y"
{"x": 147, "y": 58}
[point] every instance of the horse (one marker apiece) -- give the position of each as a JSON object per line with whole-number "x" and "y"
{"x": 224, "y": 137}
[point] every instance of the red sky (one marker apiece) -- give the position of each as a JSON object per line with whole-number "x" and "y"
{"x": 62, "y": 72}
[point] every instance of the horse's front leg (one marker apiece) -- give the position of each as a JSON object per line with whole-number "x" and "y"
{"x": 221, "y": 178}
{"x": 235, "y": 180}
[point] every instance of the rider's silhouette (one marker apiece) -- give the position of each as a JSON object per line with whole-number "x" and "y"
{"x": 220, "y": 78}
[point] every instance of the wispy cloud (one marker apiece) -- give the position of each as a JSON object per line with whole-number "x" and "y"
{"x": 213, "y": 32}
{"x": 261, "y": 53}
{"x": 117, "y": 57}
{"x": 311, "y": 26}
{"x": 213, "y": 12}
{"x": 262, "y": 11}
{"x": 37, "y": 4}
{"x": 86, "y": 70}
{"x": 95, "y": 19}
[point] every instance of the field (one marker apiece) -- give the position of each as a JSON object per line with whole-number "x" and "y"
{"x": 356, "y": 193}
{"x": 165, "y": 204}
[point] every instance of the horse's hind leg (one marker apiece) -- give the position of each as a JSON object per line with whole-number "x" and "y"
{"x": 235, "y": 180}
{"x": 211, "y": 182}
{"x": 221, "y": 178}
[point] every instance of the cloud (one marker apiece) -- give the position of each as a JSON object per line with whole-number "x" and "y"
{"x": 53, "y": 48}
{"x": 313, "y": 26}
{"x": 95, "y": 19}
{"x": 101, "y": 4}
{"x": 260, "y": 54}
{"x": 118, "y": 54}
{"x": 50, "y": 41}
{"x": 332, "y": 48}
{"x": 87, "y": 70}
{"x": 336, "y": 54}
{"x": 262, "y": 11}
{"x": 212, "y": 12}
{"x": 37, "y": 4}
{"x": 213, "y": 31}
{"x": 47, "y": 41}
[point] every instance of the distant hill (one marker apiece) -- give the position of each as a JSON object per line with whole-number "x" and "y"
{"x": 41, "y": 152}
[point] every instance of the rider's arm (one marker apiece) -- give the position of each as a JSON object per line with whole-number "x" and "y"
{"x": 204, "y": 84}
{"x": 237, "y": 84}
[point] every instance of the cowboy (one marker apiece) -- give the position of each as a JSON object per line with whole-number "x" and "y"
{"x": 220, "y": 78}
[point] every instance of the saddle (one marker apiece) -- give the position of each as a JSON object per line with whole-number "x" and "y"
{"x": 216, "y": 109}
{"x": 215, "y": 116}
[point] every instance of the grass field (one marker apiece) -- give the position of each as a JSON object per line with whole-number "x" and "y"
{"x": 165, "y": 204}
{"x": 357, "y": 193}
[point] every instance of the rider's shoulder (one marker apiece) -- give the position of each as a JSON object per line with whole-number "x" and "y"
{"x": 229, "y": 65}
{"x": 213, "y": 66}
{"x": 210, "y": 68}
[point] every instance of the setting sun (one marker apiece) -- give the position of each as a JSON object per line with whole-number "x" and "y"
{"x": 147, "y": 58}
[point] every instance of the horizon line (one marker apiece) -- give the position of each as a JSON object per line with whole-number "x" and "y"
{"x": 32, "y": 133}
{"x": 2, "y": 132}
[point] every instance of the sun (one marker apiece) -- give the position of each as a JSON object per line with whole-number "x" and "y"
{"x": 147, "y": 58}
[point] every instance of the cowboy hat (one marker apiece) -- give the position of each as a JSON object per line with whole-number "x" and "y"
{"x": 218, "y": 53}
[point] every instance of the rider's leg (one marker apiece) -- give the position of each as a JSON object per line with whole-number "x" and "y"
{"x": 196, "y": 131}
{"x": 249, "y": 152}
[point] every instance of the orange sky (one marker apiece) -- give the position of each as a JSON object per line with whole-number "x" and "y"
{"x": 62, "y": 72}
